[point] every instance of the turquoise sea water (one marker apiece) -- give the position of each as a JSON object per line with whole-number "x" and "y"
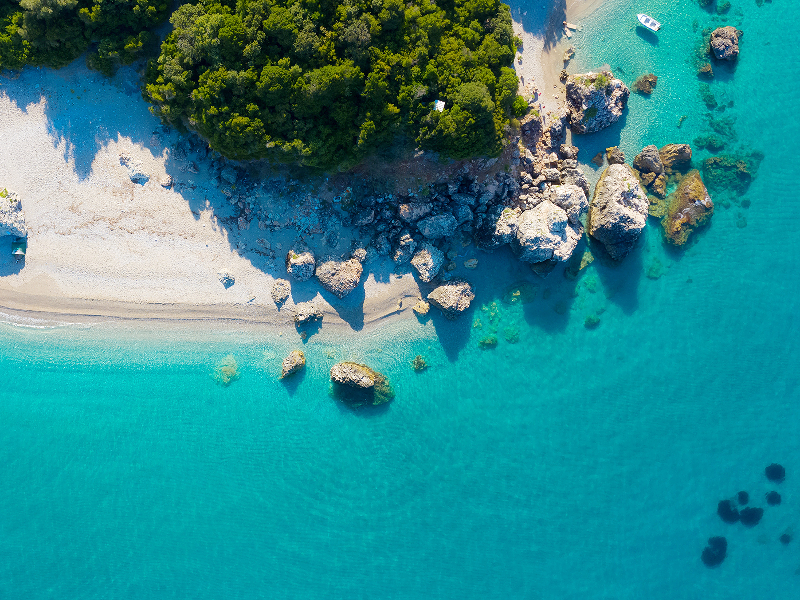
{"x": 577, "y": 463}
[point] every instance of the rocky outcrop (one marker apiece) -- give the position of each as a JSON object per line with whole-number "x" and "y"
{"x": 572, "y": 200}
{"x": 340, "y": 277}
{"x": 544, "y": 233}
{"x": 618, "y": 210}
{"x": 649, "y": 160}
{"x": 427, "y": 261}
{"x": 675, "y": 157}
{"x": 306, "y": 312}
{"x": 452, "y": 298}
{"x": 293, "y": 363}
{"x": 135, "y": 169}
{"x": 412, "y": 212}
{"x": 725, "y": 43}
{"x": 438, "y": 226}
{"x": 406, "y": 245}
{"x": 12, "y": 218}
{"x": 300, "y": 265}
{"x": 645, "y": 84}
{"x": 280, "y": 291}
{"x": 357, "y": 384}
{"x": 690, "y": 207}
{"x": 615, "y": 155}
{"x": 595, "y": 101}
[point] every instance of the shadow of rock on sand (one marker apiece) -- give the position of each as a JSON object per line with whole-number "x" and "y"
{"x": 9, "y": 264}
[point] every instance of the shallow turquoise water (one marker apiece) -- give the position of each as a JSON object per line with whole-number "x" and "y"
{"x": 576, "y": 463}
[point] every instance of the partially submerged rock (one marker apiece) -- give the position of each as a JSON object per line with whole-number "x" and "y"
{"x": 306, "y": 312}
{"x": 340, "y": 277}
{"x": 595, "y": 101}
{"x": 293, "y": 363}
{"x": 357, "y": 384}
{"x": 714, "y": 553}
{"x": 690, "y": 207}
{"x": 675, "y": 156}
{"x": 615, "y": 156}
{"x": 300, "y": 265}
{"x": 12, "y": 218}
{"x": 280, "y": 291}
{"x": 725, "y": 43}
{"x": 421, "y": 308}
{"x": 427, "y": 261}
{"x": 646, "y": 84}
{"x": 452, "y": 298}
{"x": 618, "y": 210}
{"x": 649, "y": 160}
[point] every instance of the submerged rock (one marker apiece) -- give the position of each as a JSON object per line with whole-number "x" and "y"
{"x": 300, "y": 265}
{"x": 750, "y": 517}
{"x": 340, "y": 278}
{"x": 690, "y": 207}
{"x": 357, "y": 384}
{"x": 725, "y": 43}
{"x": 452, "y": 298}
{"x": 595, "y": 101}
{"x": 427, "y": 261}
{"x": 715, "y": 552}
{"x": 618, "y": 210}
{"x": 775, "y": 472}
{"x": 12, "y": 219}
{"x": 773, "y": 498}
{"x": 293, "y": 363}
{"x": 727, "y": 511}
{"x": 743, "y": 498}
{"x": 731, "y": 172}
{"x": 226, "y": 371}
{"x": 646, "y": 84}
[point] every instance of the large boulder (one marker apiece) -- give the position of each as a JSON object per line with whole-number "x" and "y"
{"x": 452, "y": 298}
{"x": 690, "y": 206}
{"x": 300, "y": 265}
{"x": 595, "y": 101}
{"x": 500, "y": 228}
{"x": 412, "y": 212}
{"x": 340, "y": 277}
{"x": 280, "y": 291}
{"x": 544, "y": 233}
{"x": 427, "y": 261}
{"x": 438, "y": 226}
{"x": 12, "y": 219}
{"x": 306, "y": 312}
{"x": 293, "y": 363}
{"x": 725, "y": 43}
{"x": 675, "y": 156}
{"x": 406, "y": 245}
{"x": 357, "y": 384}
{"x": 618, "y": 210}
{"x": 649, "y": 160}
{"x": 572, "y": 200}
{"x": 136, "y": 171}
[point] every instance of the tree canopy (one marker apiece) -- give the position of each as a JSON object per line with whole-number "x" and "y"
{"x": 56, "y": 32}
{"x": 323, "y": 82}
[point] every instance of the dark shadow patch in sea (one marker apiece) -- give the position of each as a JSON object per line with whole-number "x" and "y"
{"x": 648, "y": 36}
{"x": 292, "y": 382}
{"x": 620, "y": 279}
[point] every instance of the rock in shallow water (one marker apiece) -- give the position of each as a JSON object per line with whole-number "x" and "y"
{"x": 595, "y": 101}
{"x": 690, "y": 207}
{"x": 618, "y": 210}
{"x": 357, "y": 384}
{"x": 715, "y": 552}
{"x": 725, "y": 43}
{"x": 293, "y": 363}
{"x": 452, "y": 298}
{"x": 306, "y": 312}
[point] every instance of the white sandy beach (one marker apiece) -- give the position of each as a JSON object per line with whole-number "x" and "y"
{"x": 101, "y": 245}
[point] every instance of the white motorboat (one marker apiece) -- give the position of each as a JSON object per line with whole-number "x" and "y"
{"x": 649, "y": 22}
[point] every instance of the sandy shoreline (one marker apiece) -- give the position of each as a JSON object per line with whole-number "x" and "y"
{"x": 102, "y": 247}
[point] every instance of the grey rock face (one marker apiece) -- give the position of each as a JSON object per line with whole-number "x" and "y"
{"x": 463, "y": 214}
{"x": 568, "y": 151}
{"x": 293, "y": 363}
{"x": 675, "y": 155}
{"x": 725, "y": 43}
{"x": 438, "y": 226}
{"x": 649, "y": 160}
{"x": 618, "y": 210}
{"x": 615, "y": 155}
{"x": 406, "y": 246}
{"x": 503, "y": 230}
{"x": 135, "y": 169}
{"x": 427, "y": 261}
{"x": 353, "y": 375}
{"x": 340, "y": 278}
{"x": 280, "y": 291}
{"x": 592, "y": 106}
{"x": 452, "y": 298}
{"x": 575, "y": 177}
{"x": 306, "y": 312}
{"x": 300, "y": 265}
{"x": 412, "y": 212}
{"x": 572, "y": 200}
{"x": 12, "y": 219}
{"x": 552, "y": 175}
{"x": 544, "y": 233}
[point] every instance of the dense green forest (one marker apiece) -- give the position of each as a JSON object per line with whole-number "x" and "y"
{"x": 322, "y": 82}
{"x": 56, "y": 32}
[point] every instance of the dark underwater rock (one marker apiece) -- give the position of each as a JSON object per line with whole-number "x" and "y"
{"x": 773, "y": 498}
{"x": 731, "y": 172}
{"x": 775, "y": 472}
{"x": 715, "y": 552}
{"x": 690, "y": 207}
{"x": 785, "y": 538}
{"x": 727, "y": 511}
{"x": 646, "y": 84}
{"x": 743, "y": 498}
{"x": 750, "y": 517}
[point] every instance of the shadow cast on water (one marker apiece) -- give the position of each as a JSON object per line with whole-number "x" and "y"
{"x": 648, "y": 36}
{"x": 620, "y": 279}
{"x": 293, "y": 382}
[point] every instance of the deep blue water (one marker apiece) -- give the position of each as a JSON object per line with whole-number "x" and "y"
{"x": 577, "y": 463}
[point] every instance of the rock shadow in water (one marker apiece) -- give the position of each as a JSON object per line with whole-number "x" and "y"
{"x": 620, "y": 280}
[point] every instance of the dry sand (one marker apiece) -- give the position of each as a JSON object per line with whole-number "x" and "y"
{"x": 101, "y": 246}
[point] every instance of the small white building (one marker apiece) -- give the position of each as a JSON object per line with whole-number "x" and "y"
{"x": 438, "y": 105}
